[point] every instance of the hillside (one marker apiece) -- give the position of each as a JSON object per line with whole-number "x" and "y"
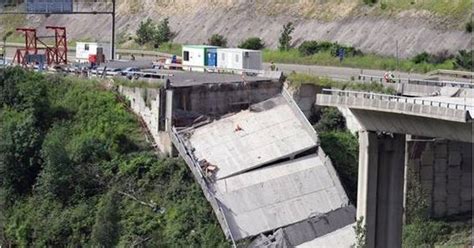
{"x": 76, "y": 171}
{"x": 419, "y": 25}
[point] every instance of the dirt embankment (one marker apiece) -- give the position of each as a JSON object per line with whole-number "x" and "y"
{"x": 346, "y": 21}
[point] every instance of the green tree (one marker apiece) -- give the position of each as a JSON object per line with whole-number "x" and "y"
{"x": 343, "y": 149}
{"x": 217, "y": 40}
{"x": 20, "y": 143}
{"x": 146, "y": 32}
{"x": 331, "y": 120}
{"x": 163, "y": 33}
{"x": 56, "y": 180}
{"x": 253, "y": 43}
{"x": 106, "y": 230}
{"x": 360, "y": 230}
{"x": 285, "y": 37}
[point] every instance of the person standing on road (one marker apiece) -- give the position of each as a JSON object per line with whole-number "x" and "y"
{"x": 272, "y": 66}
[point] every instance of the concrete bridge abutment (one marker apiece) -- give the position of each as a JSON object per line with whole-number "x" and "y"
{"x": 380, "y": 187}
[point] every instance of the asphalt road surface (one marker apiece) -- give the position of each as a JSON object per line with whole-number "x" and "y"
{"x": 333, "y": 72}
{"x": 337, "y": 73}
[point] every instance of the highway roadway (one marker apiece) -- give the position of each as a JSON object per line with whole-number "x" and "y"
{"x": 333, "y": 72}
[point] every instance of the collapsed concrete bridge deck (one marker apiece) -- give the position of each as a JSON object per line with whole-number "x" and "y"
{"x": 268, "y": 172}
{"x": 252, "y": 151}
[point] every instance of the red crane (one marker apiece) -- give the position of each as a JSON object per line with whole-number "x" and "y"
{"x": 55, "y": 55}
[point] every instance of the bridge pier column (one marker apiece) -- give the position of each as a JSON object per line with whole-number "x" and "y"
{"x": 380, "y": 187}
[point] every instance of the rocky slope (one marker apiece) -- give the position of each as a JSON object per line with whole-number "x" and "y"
{"x": 430, "y": 26}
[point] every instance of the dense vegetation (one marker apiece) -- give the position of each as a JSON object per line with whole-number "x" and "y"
{"x": 341, "y": 146}
{"x": 217, "y": 40}
{"x": 253, "y": 43}
{"x": 155, "y": 34}
{"x": 76, "y": 171}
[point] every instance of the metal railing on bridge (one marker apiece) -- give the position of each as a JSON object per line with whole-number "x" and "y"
{"x": 401, "y": 99}
{"x": 441, "y": 83}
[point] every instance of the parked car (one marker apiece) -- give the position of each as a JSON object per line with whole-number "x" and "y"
{"x": 113, "y": 71}
{"x": 129, "y": 71}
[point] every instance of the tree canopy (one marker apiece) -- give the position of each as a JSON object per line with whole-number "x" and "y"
{"x": 75, "y": 170}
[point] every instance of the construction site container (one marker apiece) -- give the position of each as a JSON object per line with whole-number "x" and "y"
{"x": 211, "y": 59}
{"x": 196, "y": 57}
{"x": 239, "y": 59}
{"x": 85, "y": 49}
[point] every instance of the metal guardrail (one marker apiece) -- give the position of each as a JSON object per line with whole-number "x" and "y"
{"x": 441, "y": 83}
{"x": 452, "y": 73}
{"x": 197, "y": 172}
{"x": 393, "y": 98}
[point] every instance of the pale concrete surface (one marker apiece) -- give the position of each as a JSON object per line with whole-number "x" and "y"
{"x": 265, "y": 135}
{"x": 279, "y": 195}
{"x": 342, "y": 238}
{"x": 380, "y": 192}
{"x": 428, "y": 108}
{"x": 422, "y": 117}
{"x": 248, "y": 186}
{"x": 443, "y": 168}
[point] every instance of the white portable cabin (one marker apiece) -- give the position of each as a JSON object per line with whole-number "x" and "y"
{"x": 84, "y": 49}
{"x": 239, "y": 59}
{"x": 196, "y": 55}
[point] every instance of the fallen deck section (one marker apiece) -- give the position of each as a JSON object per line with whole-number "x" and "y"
{"x": 262, "y": 171}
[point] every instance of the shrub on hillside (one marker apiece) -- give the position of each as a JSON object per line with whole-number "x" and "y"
{"x": 309, "y": 47}
{"x": 437, "y": 58}
{"x": 424, "y": 233}
{"x": 469, "y": 26}
{"x": 217, "y": 40}
{"x": 349, "y": 51}
{"x": 421, "y": 58}
{"x": 464, "y": 59}
{"x": 253, "y": 43}
{"x": 331, "y": 119}
{"x": 370, "y": 2}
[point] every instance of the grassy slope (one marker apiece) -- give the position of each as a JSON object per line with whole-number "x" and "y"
{"x": 368, "y": 61}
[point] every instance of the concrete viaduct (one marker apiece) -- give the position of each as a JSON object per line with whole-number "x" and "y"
{"x": 385, "y": 122}
{"x": 260, "y": 165}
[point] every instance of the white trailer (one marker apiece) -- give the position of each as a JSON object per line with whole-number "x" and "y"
{"x": 84, "y": 49}
{"x": 239, "y": 59}
{"x": 196, "y": 55}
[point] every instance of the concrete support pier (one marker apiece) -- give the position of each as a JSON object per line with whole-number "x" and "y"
{"x": 380, "y": 187}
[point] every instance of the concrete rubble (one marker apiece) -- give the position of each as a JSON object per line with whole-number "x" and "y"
{"x": 267, "y": 173}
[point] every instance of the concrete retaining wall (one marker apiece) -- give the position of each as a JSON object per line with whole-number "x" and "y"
{"x": 444, "y": 170}
{"x": 220, "y": 99}
{"x": 145, "y": 103}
